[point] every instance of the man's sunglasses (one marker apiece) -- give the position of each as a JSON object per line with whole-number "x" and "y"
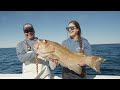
{"x": 70, "y": 28}
{"x": 29, "y": 30}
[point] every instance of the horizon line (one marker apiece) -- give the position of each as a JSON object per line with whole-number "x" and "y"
{"x": 91, "y": 44}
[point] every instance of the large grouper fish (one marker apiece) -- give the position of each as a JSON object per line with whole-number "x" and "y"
{"x": 65, "y": 57}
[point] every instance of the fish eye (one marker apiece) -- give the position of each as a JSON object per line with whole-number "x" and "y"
{"x": 44, "y": 41}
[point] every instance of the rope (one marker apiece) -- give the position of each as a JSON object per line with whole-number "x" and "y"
{"x": 36, "y": 62}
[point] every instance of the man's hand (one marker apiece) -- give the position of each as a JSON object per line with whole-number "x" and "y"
{"x": 55, "y": 61}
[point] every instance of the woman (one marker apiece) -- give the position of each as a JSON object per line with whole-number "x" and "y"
{"x": 76, "y": 43}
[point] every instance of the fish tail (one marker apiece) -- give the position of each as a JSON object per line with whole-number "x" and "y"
{"x": 94, "y": 62}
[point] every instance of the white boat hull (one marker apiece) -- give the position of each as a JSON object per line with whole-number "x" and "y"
{"x": 57, "y": 76}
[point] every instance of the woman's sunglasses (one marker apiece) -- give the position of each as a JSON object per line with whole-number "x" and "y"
{"x": 70, "y": 28}
{"x": 28, "y": 30}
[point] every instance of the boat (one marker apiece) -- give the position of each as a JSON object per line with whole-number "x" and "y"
{"x": 56, "y": 76}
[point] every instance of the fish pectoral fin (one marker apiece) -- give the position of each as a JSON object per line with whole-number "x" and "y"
{"x": 76, "y": 68}
{"x": 52, "y": 56}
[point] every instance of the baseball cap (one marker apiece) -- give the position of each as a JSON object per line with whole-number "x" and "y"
{"x": 28, "y": 26}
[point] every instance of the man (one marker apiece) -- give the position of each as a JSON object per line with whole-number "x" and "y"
{"x": 27, "y": 55}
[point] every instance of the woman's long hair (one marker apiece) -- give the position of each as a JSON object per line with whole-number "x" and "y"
{"x": 79, "y": 34}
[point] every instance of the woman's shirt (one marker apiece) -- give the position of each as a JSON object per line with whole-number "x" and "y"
{"x": 75, "y": 47}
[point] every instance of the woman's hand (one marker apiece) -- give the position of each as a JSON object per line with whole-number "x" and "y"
{"x": 81, "y": 63}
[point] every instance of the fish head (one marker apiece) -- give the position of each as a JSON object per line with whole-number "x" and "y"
{"x": 43, "y": 46}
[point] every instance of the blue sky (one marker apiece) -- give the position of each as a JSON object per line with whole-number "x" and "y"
{"x": 99, "y": 27}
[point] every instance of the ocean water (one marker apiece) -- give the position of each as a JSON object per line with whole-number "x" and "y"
{"x": 10, "y": 64}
